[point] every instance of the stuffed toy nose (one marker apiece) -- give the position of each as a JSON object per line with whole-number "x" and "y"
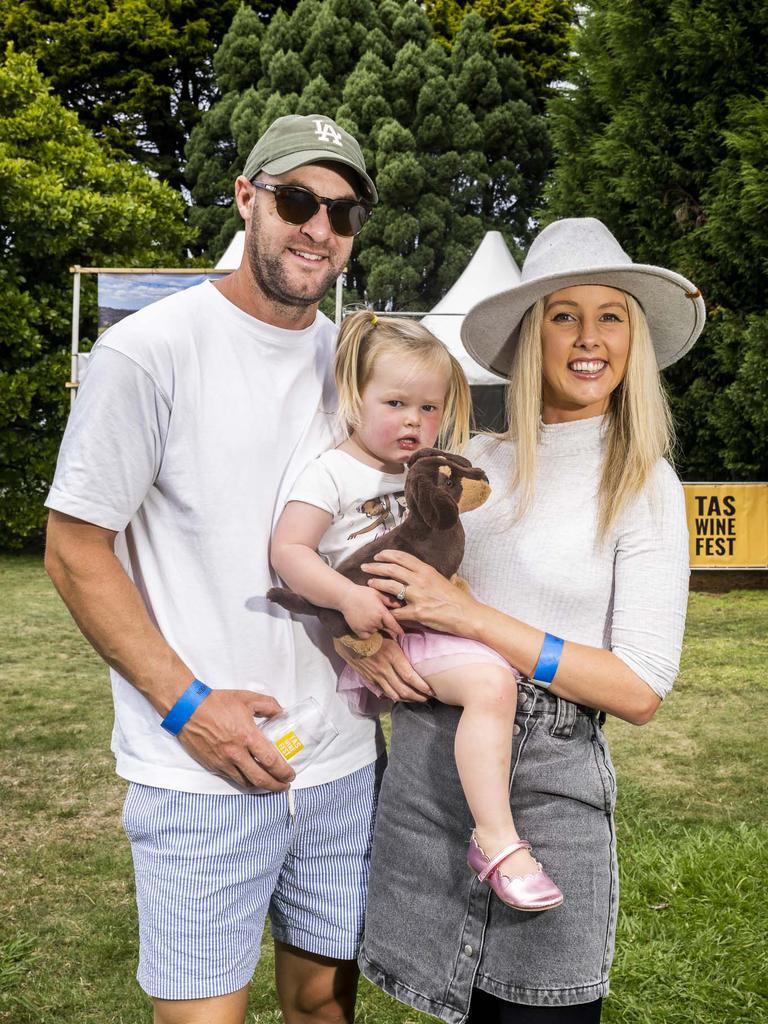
{"x": 474, "y": 493}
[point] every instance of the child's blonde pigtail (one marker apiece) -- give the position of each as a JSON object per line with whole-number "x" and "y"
{"x": 457, "y": 416}
{"x": 353, "y": 334}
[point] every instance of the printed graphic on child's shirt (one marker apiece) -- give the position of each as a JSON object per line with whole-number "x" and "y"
{"x": 385, "y": 512}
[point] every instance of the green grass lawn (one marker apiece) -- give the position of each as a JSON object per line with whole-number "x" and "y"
{"x": 691, "y": 821}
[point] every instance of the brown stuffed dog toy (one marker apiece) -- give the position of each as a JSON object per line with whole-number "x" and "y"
{"x": 438, "y": 486}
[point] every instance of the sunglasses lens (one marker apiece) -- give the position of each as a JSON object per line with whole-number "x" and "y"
{"x": 295, "y": 205}
{"x": 348, "y": 218}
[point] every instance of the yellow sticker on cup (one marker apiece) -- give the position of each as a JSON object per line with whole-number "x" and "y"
{"x": 289, "y": 745}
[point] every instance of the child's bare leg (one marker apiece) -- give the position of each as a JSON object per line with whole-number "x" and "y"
{"x": 483, "y": 751}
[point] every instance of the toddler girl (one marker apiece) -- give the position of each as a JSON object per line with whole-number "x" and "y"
{"x": 401, "y": 390}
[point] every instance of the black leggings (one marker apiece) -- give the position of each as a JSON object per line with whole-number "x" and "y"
{"x": 488, "y": 1009}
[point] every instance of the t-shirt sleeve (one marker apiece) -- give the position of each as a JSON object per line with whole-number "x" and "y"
{"x": 317, "y": 486}
{"x": 651, "y": 582}
{"x": 113, "y": 444}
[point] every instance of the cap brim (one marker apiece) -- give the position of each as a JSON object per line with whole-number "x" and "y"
{"x": 316, "y": 156}
{"x": 672, "y": 305}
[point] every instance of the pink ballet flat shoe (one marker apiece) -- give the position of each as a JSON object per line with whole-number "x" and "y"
{"x": 536, "y": 891}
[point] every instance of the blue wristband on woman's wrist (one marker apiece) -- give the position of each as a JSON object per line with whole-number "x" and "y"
{"x": 549, "y": 659}
{"x": 185, "y": 707}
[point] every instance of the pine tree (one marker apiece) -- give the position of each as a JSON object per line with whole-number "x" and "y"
{"x": 452, "y": 139}
{"x": 537, "y": 33}
{"x": 663, "y": 137}
{"x": 736, "y": 234}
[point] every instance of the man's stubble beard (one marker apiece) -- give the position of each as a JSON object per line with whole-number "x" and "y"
{"x": 269, "y": 274}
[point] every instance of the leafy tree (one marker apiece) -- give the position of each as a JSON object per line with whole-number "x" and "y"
{"x": 663, "y": 136}
{"x": 63, "y": 200}
{"x": 137, "y": 72}
{"x": 537, "y": 33}
{"x": 736, "y": 237}
{"x": 452, "y": 139}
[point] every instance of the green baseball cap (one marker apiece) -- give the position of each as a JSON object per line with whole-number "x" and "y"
{"x": 295, "y": 140}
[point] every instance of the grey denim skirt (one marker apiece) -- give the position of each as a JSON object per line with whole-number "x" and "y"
{"x": 433, "y": 932}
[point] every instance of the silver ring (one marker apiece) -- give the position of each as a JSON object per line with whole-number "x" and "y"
{"x": 401, "y": 595}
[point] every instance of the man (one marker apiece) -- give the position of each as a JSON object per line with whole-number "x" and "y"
{"x": 195, "y": 417}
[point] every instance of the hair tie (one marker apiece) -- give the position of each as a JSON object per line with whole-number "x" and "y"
{"x": 374, "y": 319}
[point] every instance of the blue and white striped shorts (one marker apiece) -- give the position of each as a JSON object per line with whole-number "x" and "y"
{"x": 210, "y": 866}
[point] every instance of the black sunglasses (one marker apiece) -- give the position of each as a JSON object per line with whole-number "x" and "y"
{"x": 297, "y": 205}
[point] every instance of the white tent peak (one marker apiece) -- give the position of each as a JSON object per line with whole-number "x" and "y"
{"x": 490, "y": 271}
{"x": 232, "y": 255}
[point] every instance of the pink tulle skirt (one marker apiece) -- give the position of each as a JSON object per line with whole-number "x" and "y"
{"x": 429, "y": 652}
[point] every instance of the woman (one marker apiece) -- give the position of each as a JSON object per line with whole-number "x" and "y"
{"x": 578, "y": 565}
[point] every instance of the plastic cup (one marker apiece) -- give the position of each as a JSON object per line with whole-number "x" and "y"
{"x": 301, "y": 732}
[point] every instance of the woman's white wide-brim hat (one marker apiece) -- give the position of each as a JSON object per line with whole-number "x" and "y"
{"x": 583, "y": 251}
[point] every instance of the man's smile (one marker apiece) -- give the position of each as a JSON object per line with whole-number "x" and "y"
{"x": 307, "y": 257}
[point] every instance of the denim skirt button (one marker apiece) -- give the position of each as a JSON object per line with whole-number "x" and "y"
{"x": 468, "y": 950}
{"x": 515, "y": 729}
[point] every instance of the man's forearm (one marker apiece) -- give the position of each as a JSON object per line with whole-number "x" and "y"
{"x": 107, "y": 607}
{"x": 221, "y": 735}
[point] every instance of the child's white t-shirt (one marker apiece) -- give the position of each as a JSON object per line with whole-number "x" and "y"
{"x": 364, "y": 502}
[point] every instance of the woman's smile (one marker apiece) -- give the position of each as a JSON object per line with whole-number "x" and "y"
{"x": 589, "y": 369}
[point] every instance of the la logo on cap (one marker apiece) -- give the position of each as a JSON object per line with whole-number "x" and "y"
{"x": 327, "y": 133}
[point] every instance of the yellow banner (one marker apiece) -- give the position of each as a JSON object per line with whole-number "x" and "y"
{"x": 728, "y": 525}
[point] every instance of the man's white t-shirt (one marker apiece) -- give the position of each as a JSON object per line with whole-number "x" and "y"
{"x": 189, "y": 429}
{"x": 364, "y": 502}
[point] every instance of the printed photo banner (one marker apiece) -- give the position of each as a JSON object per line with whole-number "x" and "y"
{"x": 123, "y": 293}
{"x": 728, "y": 525}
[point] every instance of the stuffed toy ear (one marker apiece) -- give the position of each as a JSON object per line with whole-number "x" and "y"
{"x": 436, "y": 506}
{"x": 424, "y": 453}
{"x": 455, "y": 460}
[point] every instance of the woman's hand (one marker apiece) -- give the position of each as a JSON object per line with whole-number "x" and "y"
{"x": 390, "y": 670}
{"x": 430, "y": 598}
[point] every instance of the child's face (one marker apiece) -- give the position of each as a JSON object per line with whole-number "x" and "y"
{"x": 402, "y": 408}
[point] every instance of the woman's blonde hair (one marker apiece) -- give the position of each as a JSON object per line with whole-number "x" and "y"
{"x": 364, "y": 336}
{"x": 638, "y": 429}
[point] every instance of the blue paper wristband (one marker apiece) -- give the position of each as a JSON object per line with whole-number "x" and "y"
{"x": 185, "y": 707}
{"x": 549, "y": 659}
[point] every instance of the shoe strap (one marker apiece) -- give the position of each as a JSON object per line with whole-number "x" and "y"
{"x": 491, "y": 866}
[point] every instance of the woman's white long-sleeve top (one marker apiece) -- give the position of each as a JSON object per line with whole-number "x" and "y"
{"x": 627, "y": 594}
